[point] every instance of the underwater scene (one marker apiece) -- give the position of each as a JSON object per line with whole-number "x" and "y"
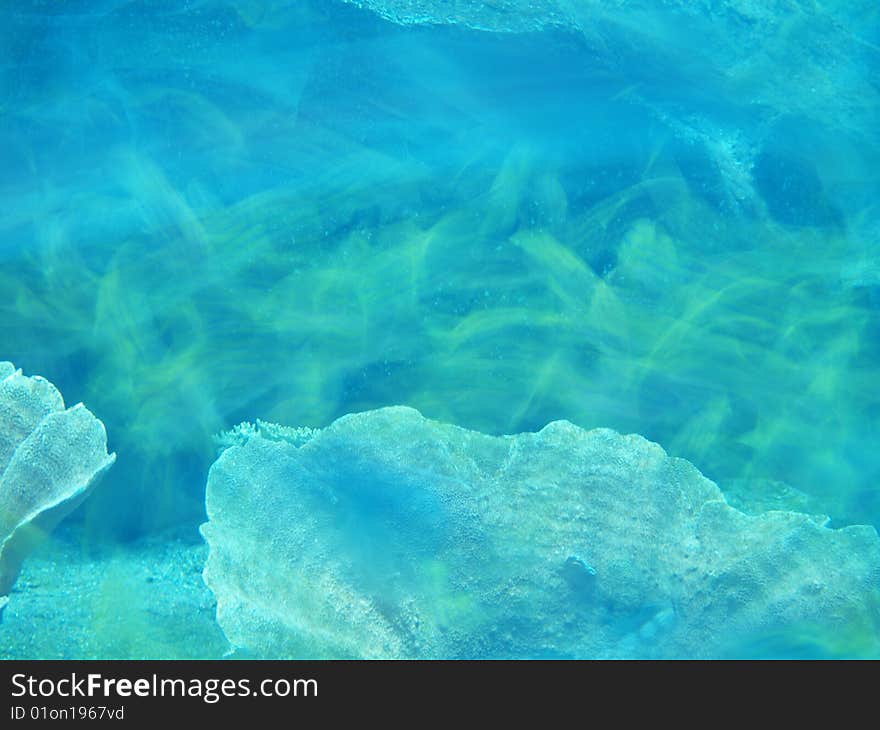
{"x": 439, "y": 329}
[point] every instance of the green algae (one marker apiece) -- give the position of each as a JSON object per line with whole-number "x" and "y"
{"x": 733, "y": 341}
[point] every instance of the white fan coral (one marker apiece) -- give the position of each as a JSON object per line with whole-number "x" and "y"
{"x": 390, "y": 535}
{"x": 50, "y": 458}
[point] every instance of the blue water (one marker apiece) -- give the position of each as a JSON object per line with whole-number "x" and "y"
{"x": 661, "y": 219}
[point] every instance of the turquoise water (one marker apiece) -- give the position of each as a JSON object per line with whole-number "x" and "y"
{"x": 661, "y": 218}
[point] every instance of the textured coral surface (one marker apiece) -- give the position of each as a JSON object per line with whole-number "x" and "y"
{"x": 389, "y": 535}
{"x": 50, "y": 457}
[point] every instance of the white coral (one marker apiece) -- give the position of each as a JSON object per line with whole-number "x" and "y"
{"x": 389, "y": 535}
{"x": 50, "y": 458}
